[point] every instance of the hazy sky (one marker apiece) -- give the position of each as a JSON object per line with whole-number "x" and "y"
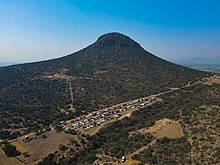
{"x": 32, "y": 30}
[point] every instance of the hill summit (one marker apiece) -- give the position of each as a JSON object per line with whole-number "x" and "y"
{"x": 114, "y": 69}
{"x": 116, "y": 39}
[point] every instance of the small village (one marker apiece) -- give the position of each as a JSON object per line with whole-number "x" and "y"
{"x": 96, "y": 118}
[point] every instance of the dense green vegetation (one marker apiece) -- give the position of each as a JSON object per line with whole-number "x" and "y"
{"x": 166, "y": 151}
{"x": 8, "y": 135}
{"x": 115, "y": 140}
{"x": 10, "y": 150}
{"x": 112, "y": 70}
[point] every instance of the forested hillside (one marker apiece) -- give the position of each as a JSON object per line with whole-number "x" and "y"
{"x": 196, "y": 108}
{"x": 113, "y": 69}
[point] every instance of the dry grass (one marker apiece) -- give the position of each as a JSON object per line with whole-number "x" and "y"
{"x": 39, "y": 148}
{"x": 4, "y": 160}
{"x": 132, "y": 162}
{"x": 164, "y": 128}
{"x": 105, "y": 159}
{"x": 211, "y": 81}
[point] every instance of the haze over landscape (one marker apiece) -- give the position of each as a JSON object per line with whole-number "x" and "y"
{"x": 175, "y": 30}
{"x": 109, "y": 82}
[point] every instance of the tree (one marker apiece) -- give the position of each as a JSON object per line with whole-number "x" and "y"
{"x": 10, "y": 150}
{"x": 4, "y": 134}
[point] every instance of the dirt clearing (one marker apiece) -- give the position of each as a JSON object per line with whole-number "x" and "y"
{"x": 212, "y": 80}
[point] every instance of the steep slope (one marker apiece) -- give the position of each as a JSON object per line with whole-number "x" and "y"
{"x": 113, "y": 69}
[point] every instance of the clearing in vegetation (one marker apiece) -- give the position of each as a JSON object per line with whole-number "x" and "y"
{"x": 164, "y": 128}
{"x": 39, "y": 148}
{"x": 212, "y": 80}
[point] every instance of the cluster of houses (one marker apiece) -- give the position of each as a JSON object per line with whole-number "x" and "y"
{"x": 96, "y": 118}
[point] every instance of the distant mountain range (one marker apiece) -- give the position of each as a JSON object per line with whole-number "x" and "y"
{"x": 215, "y": 68}
{"x": 2, "y": 64}
{"x": 199, "y": 60}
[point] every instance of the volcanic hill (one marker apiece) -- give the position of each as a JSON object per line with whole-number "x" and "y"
{"x": 114, "y": 69}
